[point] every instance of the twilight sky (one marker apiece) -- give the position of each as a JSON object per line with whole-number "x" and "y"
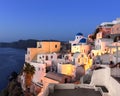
{"x": 53, "y": 19}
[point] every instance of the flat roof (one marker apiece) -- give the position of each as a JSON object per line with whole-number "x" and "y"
{"x": 49, "y": 41}
{"x": 75, "y": 92}
{"x": 56, "y": 76}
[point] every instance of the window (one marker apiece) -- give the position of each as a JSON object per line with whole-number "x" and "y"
{"x": 74, "y": 44}
{"x": 66, "y": 80}
{"x": 105, "y": 49}
{"x": 41, "y": 81}
{"x": 51, "y": 57}
{"x": 38, "y": 69}
{"x": 82, "y": 55}
{"x": 59, "y": 56}
{"x": 79, "y": 60}
{"x": 46, "y": 57}
{"x": 66, "y": 58}
{"x": 55, "y": 46}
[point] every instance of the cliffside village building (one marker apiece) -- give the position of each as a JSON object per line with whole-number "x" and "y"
{"x": 85, "y": 62}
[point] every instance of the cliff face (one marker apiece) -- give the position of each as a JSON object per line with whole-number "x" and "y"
{"x": 21, "y": 44}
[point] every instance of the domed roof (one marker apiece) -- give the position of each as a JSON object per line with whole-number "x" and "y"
{"x": 83, "y": 40}
{"x": 79, "y": 34}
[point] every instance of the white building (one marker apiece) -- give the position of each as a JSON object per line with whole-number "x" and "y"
{"x": 47, "y": 62}
{"x": 46, "y": 57}
{"x": 79, "y": 44}
{"x": 79, "y": 38}
{"x": 103, "y": 77}
{"x": 109, "y": 24}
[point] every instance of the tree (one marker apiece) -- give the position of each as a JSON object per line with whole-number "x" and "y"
{"x": 29, "y": 71}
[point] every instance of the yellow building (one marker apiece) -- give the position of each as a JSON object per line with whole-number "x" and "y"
{"x": 88, "y": 64}
{"x": 114, "y": 46}
{"x": 97, "y": 52}
{"x": 76, "y": 48}
{"x": 82, "y": 48}
{"x": 82, "y": 59}
{"x": 67, "y": 69}
{"x": 85, "y": 60}
{"x": 43, "y": 47}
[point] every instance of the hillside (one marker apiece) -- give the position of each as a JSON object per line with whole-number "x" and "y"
{"x": 21, "y": 44}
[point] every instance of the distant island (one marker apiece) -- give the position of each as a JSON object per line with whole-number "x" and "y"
{"x": 24, "y": 44}
{"x": 21, "y": 44}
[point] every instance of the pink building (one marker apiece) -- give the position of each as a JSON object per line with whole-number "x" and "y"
{"x": 104, "y": 31}
{"x": 116, "y": 29}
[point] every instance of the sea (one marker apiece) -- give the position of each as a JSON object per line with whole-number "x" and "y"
{"x": 10, "y": 60}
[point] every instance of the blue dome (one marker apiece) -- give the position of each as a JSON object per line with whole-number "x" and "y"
{"x": 83, "y": 40}
{"x": 79, "y": 34}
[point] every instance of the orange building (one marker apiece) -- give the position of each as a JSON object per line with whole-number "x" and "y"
{"x": 43, "y": 47}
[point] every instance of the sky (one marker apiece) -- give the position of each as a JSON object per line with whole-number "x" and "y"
{"x": 53, "y": 19}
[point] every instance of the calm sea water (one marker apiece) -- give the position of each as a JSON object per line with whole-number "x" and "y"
{"x": 10, "y": 60}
